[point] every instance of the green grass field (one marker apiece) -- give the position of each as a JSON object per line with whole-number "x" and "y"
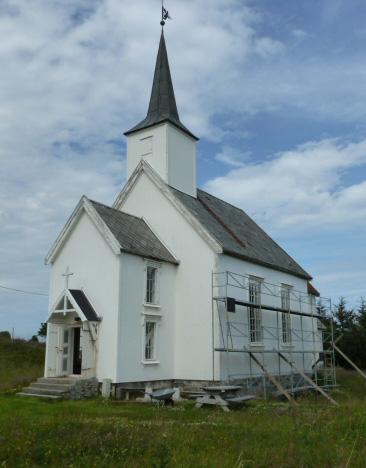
{"x": 20, "y": 364}
{"x": 109, "y": 433}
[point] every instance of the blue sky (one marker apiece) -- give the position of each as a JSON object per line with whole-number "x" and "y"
{"x": 274, "y": 89}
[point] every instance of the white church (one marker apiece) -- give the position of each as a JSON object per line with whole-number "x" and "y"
{"x": 172, "y": 286}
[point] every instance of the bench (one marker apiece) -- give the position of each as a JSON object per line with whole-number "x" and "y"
{"x": 240, "y": 399}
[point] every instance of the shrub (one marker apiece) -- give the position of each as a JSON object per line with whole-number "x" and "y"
{"x": 5, "y": 336}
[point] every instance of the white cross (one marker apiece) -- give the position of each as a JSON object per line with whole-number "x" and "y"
{"x": 66, "y": 275}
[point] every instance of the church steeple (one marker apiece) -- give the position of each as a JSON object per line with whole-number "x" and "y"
{"x": 162, "y": 106}
{"x": 161, "y": 139}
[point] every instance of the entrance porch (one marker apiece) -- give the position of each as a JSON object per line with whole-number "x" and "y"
{"x": 72, "y": 332}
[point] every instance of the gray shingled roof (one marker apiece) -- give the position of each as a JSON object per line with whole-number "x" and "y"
{"x": 84, "y": 304}
{"x": 162, "y": 107}
{"x": 133, "y": 234}
{"x": 237, "y": 233}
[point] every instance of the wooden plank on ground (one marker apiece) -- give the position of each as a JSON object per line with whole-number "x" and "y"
{"x": 308, "y": 379}
{"x": 275, "y": 382}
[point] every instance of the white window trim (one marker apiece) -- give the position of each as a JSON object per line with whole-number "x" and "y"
{"x": 286, "y": 344}
{"x": 153, "y": 306}
{"x": 256, "y": 345}
{"x": 155, "y": 319}
{"x": 259, "y": 280}
{"x": 150, "y": 363}
{"x": 151, "y": 314}
{"x": 157, "y": 265}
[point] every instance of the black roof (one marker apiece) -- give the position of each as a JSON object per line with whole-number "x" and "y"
{"x": 237, "y": 233}
{"x": 162, "y": 107}
{"x": 84, "y": 304}
{"x": 133, "y": 234}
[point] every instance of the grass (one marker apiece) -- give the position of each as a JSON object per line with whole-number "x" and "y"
{"x": 99, "y": 433}
{"x": 21, "y": 362}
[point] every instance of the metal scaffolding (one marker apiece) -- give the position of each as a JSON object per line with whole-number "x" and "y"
{"x": 277, "y": 335}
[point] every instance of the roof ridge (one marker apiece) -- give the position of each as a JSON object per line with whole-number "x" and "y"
{"x": 133, "y": 235}
{"x": 115, "y": 209}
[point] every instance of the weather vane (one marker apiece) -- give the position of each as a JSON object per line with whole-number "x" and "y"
{"x": 164, "y": 14}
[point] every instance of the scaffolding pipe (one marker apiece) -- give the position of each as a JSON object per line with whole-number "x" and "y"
{"x": 234, "y": 332}
{"x": 271, "y": 308}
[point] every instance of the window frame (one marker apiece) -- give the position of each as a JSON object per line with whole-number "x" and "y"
{"x": 286, "y": 322}
{"x": 153, "y": 359}
{"x": 150, "y": 340}
{"x": 156, "y": 299}
{"x": 254, "y": 313}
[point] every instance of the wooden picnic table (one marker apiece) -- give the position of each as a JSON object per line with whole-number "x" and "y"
{"x": 222, "y": 395}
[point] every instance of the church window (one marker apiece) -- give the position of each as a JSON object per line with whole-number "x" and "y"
{"x": 286, "y": 316}
{"x": 150, "y": 341}
{"x": 151, "y": 284}
{"x": 255, "y": 313}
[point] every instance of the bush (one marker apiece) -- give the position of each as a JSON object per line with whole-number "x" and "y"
{"x": 351, "y": 326}
{"x": 5, "y": 336}
{"x": 43, "y": 330}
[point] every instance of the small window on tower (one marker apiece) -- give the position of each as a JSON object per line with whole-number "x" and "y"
{"x": 146, "y": 146}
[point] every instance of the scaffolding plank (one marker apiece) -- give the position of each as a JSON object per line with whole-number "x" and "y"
{"x": 277, "y": 384}
{"x": 349, "y": 361}
{"x": 308, "y": 379}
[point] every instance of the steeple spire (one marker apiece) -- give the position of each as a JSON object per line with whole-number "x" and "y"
{"x": 162, "y": 106}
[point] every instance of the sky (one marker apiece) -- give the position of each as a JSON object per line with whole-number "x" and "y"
{"x": 274, "y": 89}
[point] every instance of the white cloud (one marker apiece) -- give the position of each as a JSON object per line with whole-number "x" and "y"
{"x": 233, "y": 156}
{"x": 75, "y": 74}
{"x": 300, "y": 189}
{"x": 267, "y": 47}
{"x": 299, "y": 34}
{"x": 306, "y": 199}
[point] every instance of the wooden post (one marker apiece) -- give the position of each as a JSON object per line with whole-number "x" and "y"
{"x": 349, "y": 361}
{"x": 308, "y": 379}
{"x": 277, "y": 384}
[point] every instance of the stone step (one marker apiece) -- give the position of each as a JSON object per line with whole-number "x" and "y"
{"x": 50, "y": 397}
{"x": 59, "y": 380}
{"x": 42, "y": 391}
{"x": 51, "y": 386}
{"x": 69, "y": 387}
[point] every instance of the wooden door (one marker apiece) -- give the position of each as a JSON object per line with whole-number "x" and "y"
{"x": 64, "y": 350}
{"x": 87, "y": 346}
{"x": 51, "y": 364}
